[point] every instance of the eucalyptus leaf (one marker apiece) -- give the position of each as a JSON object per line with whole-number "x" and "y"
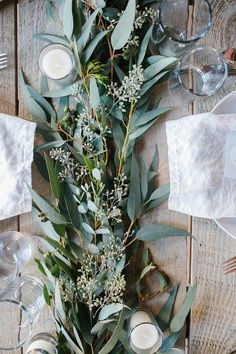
{"x": 68, "y": 20}
{"x": 49, "y": 146}
{"x": 120, "y": 73}
{"x": 42, "y": 102}
{"x": 169, "y": 342}
{"x": 155, "y": 58}
{"x": 149, "y": 84}
{"x": 115, "y": 336}
{"x": 94, "y": 93}
{"x": 178, "y": 321}
{"x": 55, "y": 183}
{"x": 109, "y": 310}
{"x": 153, "y": 232}
{"x": 139, "y": 131}
{"x": 160, "y": 194}
{"x": 81, "y": 43}
{"x": 146, "y": 270}
{"x": 124, "y": 27}
{"x": 58, "y": 303}
{"x": 93, "y": 44}
{"x": 164, "y": 316}
{"x": 47, "y": 209}
{"x": 46, "y": 295}
{"x": 157, "y": 67}
{"x": 51, "y": 38}
{"x": 61, "y": 92}
{"x": 134, "y": 198}
{"x": 57, "y": 246}
{"x": 75, "y": 349}
{"x": 150, "y": 115}
{"x": 99, "y": 325}
{"x": 144, "y": 45}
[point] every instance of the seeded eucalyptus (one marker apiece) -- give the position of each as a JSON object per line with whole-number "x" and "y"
{"x": 100, "y": 189}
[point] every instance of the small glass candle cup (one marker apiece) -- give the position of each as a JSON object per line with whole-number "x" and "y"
{"x": 57, "y": 63}
{"x": 145, "y": 337}
{"x": 200, "y": 73}
{"x": 42, "y": 343}
{"x": 20, "y": 305}
{"x": 173, "y": 33}
{"x": 15, "y": 252}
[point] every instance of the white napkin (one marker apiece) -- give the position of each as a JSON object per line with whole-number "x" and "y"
{"x": 202, "y": 162}
{"x": 16, "y": 156}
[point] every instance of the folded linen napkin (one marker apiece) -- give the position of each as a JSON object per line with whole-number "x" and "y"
{"x": 16, "y": 156}
{"x": 202, "y": 163}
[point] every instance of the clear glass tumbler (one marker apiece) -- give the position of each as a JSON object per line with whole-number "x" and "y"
{"x": 20, "y": 305}
{"x": 15, "y": 252}
{"x": 179, "y": 25}
{"x": 145, "y": 337}
{"x": 200, "y": 73}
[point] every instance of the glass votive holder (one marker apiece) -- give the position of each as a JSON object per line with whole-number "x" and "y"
{"x": 42, "y": 343}
{"x": 172, "y": 34}
{"x": 57, "y": 63}
{"x": 200, "y": 73}
{"x": 15, "y": 252}
{"x": 20, "y": 306}
{"x": 145, "y": 337}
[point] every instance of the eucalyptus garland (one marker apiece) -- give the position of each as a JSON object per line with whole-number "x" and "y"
{"x": 100, "y": 188}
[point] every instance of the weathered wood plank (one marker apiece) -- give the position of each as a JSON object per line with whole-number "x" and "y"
{"x": 32, "y": 19}
{"x": 213, "y": 325}
{"x": 172, "y": 254}
{"x": 8, "y": 105}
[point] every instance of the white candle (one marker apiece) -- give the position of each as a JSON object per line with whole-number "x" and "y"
{"x": 41, "y": 345}
{"x": 57, "y": 63}
{"x": 144, "y": 337}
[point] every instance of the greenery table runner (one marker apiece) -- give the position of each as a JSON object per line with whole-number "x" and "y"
{"x": 100, "y": 186}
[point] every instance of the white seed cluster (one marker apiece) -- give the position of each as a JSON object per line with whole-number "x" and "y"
{"x": 129, "y": 89}
{"x": 142, "y": 16}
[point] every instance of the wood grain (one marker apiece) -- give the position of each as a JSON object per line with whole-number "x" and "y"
{"x": 172, "y": 251}
{"x": 8, "y": 105}
{"x": 213, "y": 320}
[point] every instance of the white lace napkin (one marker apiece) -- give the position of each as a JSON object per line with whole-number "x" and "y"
{"x": 202, "y": 162}
{"x": 16, "y": 156}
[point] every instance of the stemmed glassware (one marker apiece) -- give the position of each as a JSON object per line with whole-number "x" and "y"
{"x": 15, "y": 252}
{"x": 179, "y": 26}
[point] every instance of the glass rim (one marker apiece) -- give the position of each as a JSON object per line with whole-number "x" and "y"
{"x": 196, "y": 49}
{"x": 24, "y": 309}
{"x": 160, "y": 334}
{"x": 194, "y": 39}
{"x": 68, "y": 50}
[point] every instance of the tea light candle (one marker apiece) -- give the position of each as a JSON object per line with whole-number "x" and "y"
{"x": 145, "y": 337}
{"x": 56, "y": 61}
{"x": 42, "y": 343}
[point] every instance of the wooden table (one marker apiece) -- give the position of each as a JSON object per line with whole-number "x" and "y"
{"x": 211, "y": 328}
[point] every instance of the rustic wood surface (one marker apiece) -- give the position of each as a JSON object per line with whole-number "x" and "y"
{"x": 211, "y": 329}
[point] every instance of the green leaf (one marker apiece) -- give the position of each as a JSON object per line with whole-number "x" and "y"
{"x": 71, "y": 207}
{"x": 178, "y": 321}
{"x": 53, "y": 178}
{"x": 118, "y": 133}
{"x": 143, "y": 178}
{"x": 153, "y": 232}
{"x": 76, "y": 249}
{"x": 137, "y": 133}
{"x": 33, "y": 107}
{"x": 68, "y": 20}
{"x": 62, "y": 92}
{"x": 41, "y": 165}
{"x": 148, "y": 85}
{"x": 86, "y": 31}
{"x": 46, "y": 295}
{"x": 150, "y": 115}
{"x": 42, "y": 102}
{"x": 168, "y": 342}
{"x": 115, "y": 336}
{"x": 99, "y": 325}
{"x": 124, "y": 26}
{"x": 93, "y": 44}
{"x": 160, "y": 194}
{"x": 109, "y": 310}
{"x": 154, "y": 164}
{"x": 58, "y": 246}
{"x": 144, "y": 45}
{"x": 120, "y": 73}
{"x": 154, "y": 69}
{"x": 51, "y": 38}
{"x": 49, "y": 146}
{"x": 146, "y": 270}
{"x": 134, "y": 199}
{"x": 94, "y": 93}
{"x": 163, "y": 318}
{"x": 47, "y": 209}
{"x": 64, "y": 267}
{"x": 70, "y": 342}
